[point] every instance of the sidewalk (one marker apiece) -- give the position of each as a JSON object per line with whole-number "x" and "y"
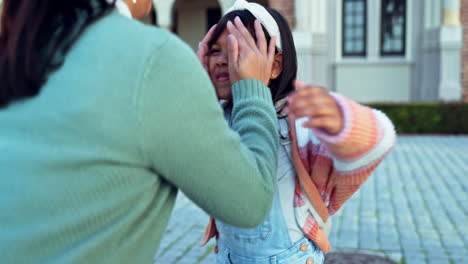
{"x": 413, "y": 209}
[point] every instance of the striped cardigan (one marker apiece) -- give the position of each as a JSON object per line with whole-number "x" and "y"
{"x": 331, "y": 168}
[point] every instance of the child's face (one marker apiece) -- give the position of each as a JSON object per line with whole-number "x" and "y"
{"x": 218, "y": 61}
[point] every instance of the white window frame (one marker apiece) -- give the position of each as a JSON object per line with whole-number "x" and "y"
{"x": 373, "y": 35}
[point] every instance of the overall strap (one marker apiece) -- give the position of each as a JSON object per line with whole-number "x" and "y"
{"x": 285, "y": 139}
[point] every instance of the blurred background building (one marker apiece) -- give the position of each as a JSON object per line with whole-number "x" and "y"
{"x": 368, "y": 50}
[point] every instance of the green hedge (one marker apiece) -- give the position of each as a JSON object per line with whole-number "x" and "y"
{"x": 427, "y": 118}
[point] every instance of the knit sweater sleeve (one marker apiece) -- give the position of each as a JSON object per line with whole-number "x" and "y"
{"x": 364, "y": 129}
{"x": 186, "y": 141}
{"x": 340, "y": 164}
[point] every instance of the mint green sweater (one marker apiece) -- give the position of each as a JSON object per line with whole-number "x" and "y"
{"x": 90, "y": 168}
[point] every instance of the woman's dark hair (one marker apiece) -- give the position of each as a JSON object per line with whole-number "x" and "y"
{"x": 35, "y": 36}
{"x": 283, "y": 85}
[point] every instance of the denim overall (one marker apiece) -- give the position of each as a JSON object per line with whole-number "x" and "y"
{"x": 269, "y": 242}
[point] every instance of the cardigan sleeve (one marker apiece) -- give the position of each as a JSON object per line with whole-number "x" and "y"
{"x": 340, "y": 164}
{"x": 186, "y": 141}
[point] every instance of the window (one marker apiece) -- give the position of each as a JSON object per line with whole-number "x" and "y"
{"x": 354, "y": 28}
{"x": 393, "y": 28}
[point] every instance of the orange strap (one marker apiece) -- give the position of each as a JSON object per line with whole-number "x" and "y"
{"x": 304, "y": 178}
{"x": 210, "y": 232}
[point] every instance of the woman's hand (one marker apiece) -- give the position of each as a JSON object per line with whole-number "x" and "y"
{"x": 247, "y": 59}
{"x": 317, "y": 104}
{"x": 203, "y": 49}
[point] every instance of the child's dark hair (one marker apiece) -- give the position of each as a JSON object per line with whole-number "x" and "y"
{"x": 283, "y": 85}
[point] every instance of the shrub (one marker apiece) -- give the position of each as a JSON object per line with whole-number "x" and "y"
{"x": 427, "y": 118}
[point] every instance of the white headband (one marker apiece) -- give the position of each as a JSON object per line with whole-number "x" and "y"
{"x": 260, "y": 13}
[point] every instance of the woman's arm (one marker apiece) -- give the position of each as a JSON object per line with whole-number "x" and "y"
{"x": 186, "y": 141}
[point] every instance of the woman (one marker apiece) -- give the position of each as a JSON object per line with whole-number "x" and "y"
{"x": 98, "y": 133}
{"x": 331, "y": 147}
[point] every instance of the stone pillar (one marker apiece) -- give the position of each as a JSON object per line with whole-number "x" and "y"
{"x": 1, "y": 12}
{"x": 164, "y": 12}
{"x": 311, "y": 41}
{"x": 303, "y": 39}
{"x": 286, "y": 8}
{"x": 450, "y": 52}
{"x": 225, "y": 5}
{"x": 464, "y": 19}
{"x": 451, "y": 13}
{"x": 303, "y": 16}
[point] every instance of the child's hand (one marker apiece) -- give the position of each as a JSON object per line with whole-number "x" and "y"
{"x": 202, "y": 52}
{"x": 317, "y": 104}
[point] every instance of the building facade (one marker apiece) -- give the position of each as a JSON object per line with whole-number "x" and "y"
{"x": 368, "y": 50}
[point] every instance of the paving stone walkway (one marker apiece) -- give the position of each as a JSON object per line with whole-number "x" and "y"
{"x": 413, "y": 210}
{"x": 356, "y": 258}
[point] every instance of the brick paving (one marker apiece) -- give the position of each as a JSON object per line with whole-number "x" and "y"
{"x": 413, "y": 210}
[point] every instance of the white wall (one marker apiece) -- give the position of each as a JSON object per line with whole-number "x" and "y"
{"x": 192, "y": 20}
{"x": 376, "y": 82}
{"x": 191, "y": 25}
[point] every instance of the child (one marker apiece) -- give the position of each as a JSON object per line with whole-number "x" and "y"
{"x": 329, "y": 147}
